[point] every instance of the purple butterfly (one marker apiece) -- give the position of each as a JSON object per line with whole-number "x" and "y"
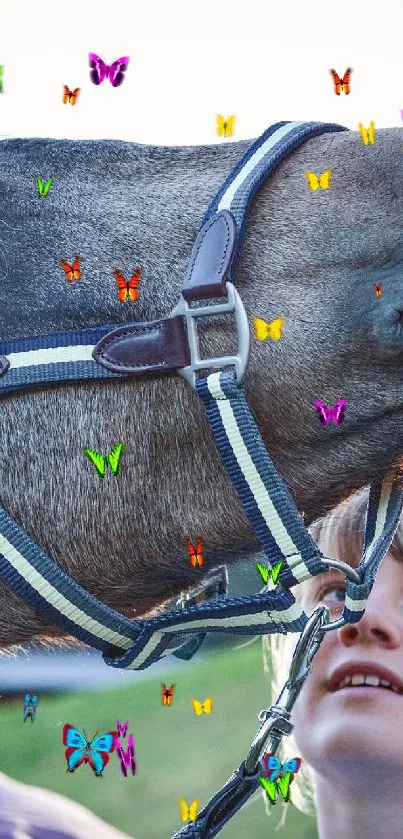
{"x": 114, "y": 72}
{"x": 122, "y": 728}
{"x": 337, "y": 413}
{"x": 127, "y": 760}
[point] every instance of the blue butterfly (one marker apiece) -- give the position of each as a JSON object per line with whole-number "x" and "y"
{"x": 80, "y": 750}
{"x": 276, "y": 769}
{"x": 30, "y": 704}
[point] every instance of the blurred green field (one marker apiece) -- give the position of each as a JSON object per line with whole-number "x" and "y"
{"x": 178, "y": 753}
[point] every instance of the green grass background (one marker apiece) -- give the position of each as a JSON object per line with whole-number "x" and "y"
{"x": 178, "y": 753}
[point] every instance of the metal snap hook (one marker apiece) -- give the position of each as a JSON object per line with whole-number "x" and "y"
{"x": 352, "y": 575}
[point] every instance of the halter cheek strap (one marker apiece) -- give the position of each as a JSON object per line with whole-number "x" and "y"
{"x": 116, "y": 351}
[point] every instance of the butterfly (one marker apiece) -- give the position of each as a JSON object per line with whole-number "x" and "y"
{"x": 1, "y": 77}
{"x": 378, "y": 289}
{"x": 127, "y": 289}
{"x": 114, "y": 72}
{"x": 127, "y": 760}
{"x": 100, "y": 461}
{"x": 265, "y": 330}
{"x": 73, "y": 272}
{"x": 323, "y": 181}
{"x": 30, "y": 703}
{"x": 189, "y": 813}
{"x": 167, "y": 694}
{"x": 267, "y": 573}
{"x": 70, "y": 96}
{"x": 80, "y": 750}
{"x": 199, "y": 707}
{"x": 225, "y": 125}
{"x": 341, "y": 84}
{"x": 273, "y": 787}
{"x": 195, "y": 553}
{"x": 336, "y": 413}
{"x": 43, "y": 189}
{"x": 122, "y": 728}
{"x": 367, "y": 134}
{"x": 276, "y": 769}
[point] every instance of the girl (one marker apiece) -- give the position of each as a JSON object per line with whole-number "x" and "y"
{"x": 350, "y": 738}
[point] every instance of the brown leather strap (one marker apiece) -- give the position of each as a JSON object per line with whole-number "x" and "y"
{"x": 162, "y": 345}
{"x": 140, "y": 348}
{"x": 211, "y": 258}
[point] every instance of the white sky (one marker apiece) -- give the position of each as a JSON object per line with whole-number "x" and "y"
{"x": 190, "y": 60}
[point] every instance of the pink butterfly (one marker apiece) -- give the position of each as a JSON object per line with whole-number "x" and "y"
{"x": 122, "y": 728}
{"x": 127, "y": 760}
{"x": 114, "y": 72}
{"x": 336, "y": 413}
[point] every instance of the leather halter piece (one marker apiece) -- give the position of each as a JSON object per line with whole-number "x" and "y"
{"x": 168, "y": 345}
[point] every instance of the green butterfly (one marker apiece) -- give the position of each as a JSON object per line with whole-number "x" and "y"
{"x": 1, "y": 77}
{"x": 43, "y": 189}
{"x": 266, "y": 573}
{"x": 100, "y": 461}
{"x": 281, "y": 785}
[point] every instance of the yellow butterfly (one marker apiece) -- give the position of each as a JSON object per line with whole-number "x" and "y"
{"x": 189, "y": 813}
{"x": 367, "y": 134}
{"x": 206, "y": 706}
{"x": 323, "y": 181}
{"x": 265, "y": 330}
{"x": 225, "y": 125}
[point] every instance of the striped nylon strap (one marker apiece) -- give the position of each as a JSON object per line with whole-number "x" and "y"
{"x": 270, "y": 508}
{"x": 135, "y": 644}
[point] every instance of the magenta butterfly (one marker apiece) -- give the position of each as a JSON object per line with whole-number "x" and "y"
{"x": 115, "y": 72}
{"x": 127, "y": 760}
{"x": 336, "y": 413}
{"x": 122, "y": 728}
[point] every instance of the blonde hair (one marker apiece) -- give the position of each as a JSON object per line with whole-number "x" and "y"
{"x": 340, "y": 536}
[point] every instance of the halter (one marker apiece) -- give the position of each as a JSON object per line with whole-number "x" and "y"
{"x": 168, "y": 345}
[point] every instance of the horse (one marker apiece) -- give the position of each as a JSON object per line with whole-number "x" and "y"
{"x": 311, "y": 257}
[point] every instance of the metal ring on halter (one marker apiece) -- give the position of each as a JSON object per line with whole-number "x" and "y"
{"x": 352, "y": 574}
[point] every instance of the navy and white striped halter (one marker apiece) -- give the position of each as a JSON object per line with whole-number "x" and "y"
{"x": 69, "y": 356}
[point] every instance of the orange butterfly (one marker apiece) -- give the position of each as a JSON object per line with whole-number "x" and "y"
{"x": 127, "y": 289}
{"x": 378, "y": 290}
{"x": 70, "y": 96}
{"x": 195, "y": 553}
{"x": 341, "y": 84}
{"x": 73, "y": 272}
{"x": 167, "y": 694}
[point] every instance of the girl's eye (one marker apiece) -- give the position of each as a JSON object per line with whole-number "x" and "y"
{"x": 333, "y": 596}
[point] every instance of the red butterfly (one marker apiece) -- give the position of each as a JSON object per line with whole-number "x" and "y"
{"x": 73, "y": 272}
{"x": 127, "y": 289}
{"x": 167, "y": 694}
{"x": 378, "y": 290}
{"x": 341, "y": 84}
{"x": 195, "y": 553}
{"x": 70, "y": 96}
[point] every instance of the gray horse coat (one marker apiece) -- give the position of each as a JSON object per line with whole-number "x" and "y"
{"x": 310, "y": 257}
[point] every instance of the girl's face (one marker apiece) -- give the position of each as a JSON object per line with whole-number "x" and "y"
{"x": 355, "y": 735}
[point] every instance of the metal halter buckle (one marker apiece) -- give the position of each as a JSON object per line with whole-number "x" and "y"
{"x": 239, "y": 361}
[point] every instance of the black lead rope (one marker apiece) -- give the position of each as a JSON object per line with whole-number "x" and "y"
{"x": 275, "y": 724}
